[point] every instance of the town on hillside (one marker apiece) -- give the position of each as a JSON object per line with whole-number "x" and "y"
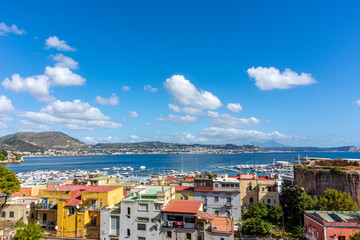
{"x": 319, "y": 201}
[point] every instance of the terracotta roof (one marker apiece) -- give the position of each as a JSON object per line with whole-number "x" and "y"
{"x": 222, "y": 225}
{"x": 75, "y": 198}
{"x": 171, "y": 179}
{"x": 184, "y": 188}
{"x": 184, "y": 206}
{"x": 205, "y": 215}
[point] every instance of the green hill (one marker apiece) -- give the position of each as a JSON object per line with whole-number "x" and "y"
{"x": 29, "y": 141}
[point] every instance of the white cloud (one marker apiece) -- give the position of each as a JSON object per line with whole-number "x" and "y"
{"x": 358, "y": 102}
{"x": 227, "y": 121}
{"x": 60, "y": 45}
{"x": 177, "y": 119}
{"x": 234, "y": 107}
{"x": 134, "y": 137}
{"x": 75, "y": 115}
{"x": 28, "y": 126}
{"x": 109, "y": 139}
{"x": 187, "y": 94}
{"x": 149, "y": 88}
{"x": 133, "y": 114}
{"x": 37, "y": 86}
{"x": 4, "y": 29}
{"x": 5, "y": 105}
{"x": 65, "y": 62}
{"x": 125, "y": 88}
{"x": 113, "y": 100}
{"x": 61, "y": 76}
{"x": 239, "y": 135}
{"x": 271, "y": 78}
{"x": 186, "y": 110}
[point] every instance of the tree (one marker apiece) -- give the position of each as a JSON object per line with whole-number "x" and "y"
{"x": 274, "y": 214}
{"x": 355, "y": 236}
{"x": 259, "y": 210}
{"x": 256, "y": 227}
{"x": 9, "y": 184}
{"x": 32, "y": 231}
{"x": 333, "y": 200}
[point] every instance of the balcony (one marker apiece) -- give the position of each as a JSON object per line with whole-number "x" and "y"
{"x": 228, "y": 204}
{"x": 47, "y": 224}
{"x": 174, "y": 224}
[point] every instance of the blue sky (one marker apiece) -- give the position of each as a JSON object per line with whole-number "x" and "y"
{"x": 182, "y": 71}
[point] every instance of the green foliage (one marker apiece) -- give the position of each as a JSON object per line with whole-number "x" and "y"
{"x": 8, "y": 182}
{"x": 297, "y": 232}
{"x": 274, "y": 214}
{"x": 332, "y": 200}
{"x": 32, "y": 231}
{"x": 256, "y": 226}
{"x": 259, "y": 210}
{"x": 337, "y": 171}
{"x": 3, "y": 155}
{"x": 355, "y": 236}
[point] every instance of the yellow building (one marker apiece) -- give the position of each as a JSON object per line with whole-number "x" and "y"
{"x": 73, "y": 211}
{"x": 184, "y": 193}
{"x": 255, "y": 189}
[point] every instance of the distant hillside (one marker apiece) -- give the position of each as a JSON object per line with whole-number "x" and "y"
{"x": 315, "y": 149}
{"x": 269, "y": 144}
{"x": 31, "y": 142}
{"x": 174, "y": 146}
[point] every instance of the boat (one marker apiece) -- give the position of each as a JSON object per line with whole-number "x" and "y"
{"x": 142, "y": 167}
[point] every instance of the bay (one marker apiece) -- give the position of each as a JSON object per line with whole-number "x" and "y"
{"x": 186, "y": 162}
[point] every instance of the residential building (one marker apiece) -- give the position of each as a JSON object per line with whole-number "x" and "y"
{"x": 19, "y": 209}
{"x": 140, "y": 215}
{"x": 185, "y": 219}
{"x": 101, "y": 180}
{"x": 221, "y": 196}
{"x": 255, "y": 189}
{"x": 330, "y": 224}
{"x": 29, "y": 190}
{"x": 184, "y": 193}
{"x": 73, "y": 211}
{"x": 179, "y": 220}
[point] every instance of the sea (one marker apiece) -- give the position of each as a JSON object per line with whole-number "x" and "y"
{"x": 165, "y": 162}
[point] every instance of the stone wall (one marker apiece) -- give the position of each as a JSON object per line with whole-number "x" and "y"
{"x": 316, "y": 180}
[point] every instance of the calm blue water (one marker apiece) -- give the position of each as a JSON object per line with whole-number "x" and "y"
{"x": 191, "y": 162}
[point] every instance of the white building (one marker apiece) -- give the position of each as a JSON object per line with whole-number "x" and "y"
{"x": 221, "y": 196}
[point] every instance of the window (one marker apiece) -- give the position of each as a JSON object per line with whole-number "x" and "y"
{"x": 93, "y": 220}
{"x": 263, "y": 189}
{"x": 32, "y": 216}
{"x": 341, "y": 237}
{"x": 141, "y": 226}
{"x": 232, "y": 185}
{"x": 189, "y": 219}
{"x": 143, "y": 219}
{"x": 251, "y": 201}
{"x": 237, "y": 185}
{"x": 222, "y": 238}
{"x": 115, "y": 222}
{"x": 71, "y": 211}
{"x": 175, "y": 218}
{"x": 101, "y": 203}
{"x": 158, "y": 206}
{"x": 93, "y": 204}
{"x": 128, "y": 211}
{"x": 188, "y": 236}
{"x": 141, "y": 238}
{"x": 228, "y": 213}
{"x": 228, "y": 199}
{"x": 274, "y": 201}
{"x": 169, "y": 234}
{"x": 269, "y": 201}
{"x": 217, "y": 213}
{"x": 216, "y": 199}
{"x": 186, "y": 198}
{"x": 24, "y": 194}
{"x": 181, "y": 198}
{"x": 11, "y": 214}
{"x": 3, "y": 214}
{"x": 143, "y": 207}
{"x": 216, "y": 185}
{"x": 250, "y": 188}
{"x": 45, "y": 203}
{"x": 128, "y": 232}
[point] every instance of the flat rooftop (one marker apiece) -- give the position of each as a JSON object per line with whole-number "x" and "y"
{"x": 336, "y": 216}
{"x": 146, "y": 193}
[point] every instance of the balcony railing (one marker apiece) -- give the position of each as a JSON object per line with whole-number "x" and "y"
{"x": 174, "y": 224}
{"x": 228, "y": 204}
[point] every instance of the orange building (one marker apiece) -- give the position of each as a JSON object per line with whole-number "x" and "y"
{"x": 29, "y": 190}
{"x": 331, "y": 224}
